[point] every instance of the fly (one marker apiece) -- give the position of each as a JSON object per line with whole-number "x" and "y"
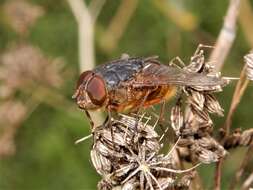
{"x": 129, "y": 83}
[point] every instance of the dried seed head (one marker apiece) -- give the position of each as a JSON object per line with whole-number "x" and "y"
{"x": 249, "y": 65}
{"x": 127, "y": 165}
{"x": 196, "y": 99}
{"x": 212, "y": 105}
{"x": 211, "y": 151}
{"x": 176, "y": 118}
{"x": 247, "y": 137}
{"x": 197, "y": 63}
{"x": 101, "y": 163}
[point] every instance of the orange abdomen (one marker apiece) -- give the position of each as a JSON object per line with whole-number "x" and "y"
{"x": 131, "y": 102}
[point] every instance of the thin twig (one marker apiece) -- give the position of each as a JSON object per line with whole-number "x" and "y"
{"x": 226, "y": 36}
{"x": 184, "y": 19}
{"x": 86, "y": 17}
{"x": 95, "y": 8}
{"x": 218, "y": 56}
{"x": 248, "y": 182}
{"x": 238, "y": 93}
{"x": 218, "y": 175}
{"x": 118, "y": 25}
{"x": 86, "y": 34}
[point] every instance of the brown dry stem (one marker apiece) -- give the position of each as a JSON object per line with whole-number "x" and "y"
{"x": 248, "y": 182}
{"x": 238, "y": 93}
{"x": 218, "y": 56}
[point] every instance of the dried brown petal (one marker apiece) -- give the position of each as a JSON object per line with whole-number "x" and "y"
{"x": 212, "y": 105}
{"x": 130, "y": 185}
{"x": 249, "y": 65}
{"x": 247, "y": 137}
{"x": 104, "y": 185}
{"x": 101, "y": 163}
{"x": 123, "y": 170}
{"x": 176, "y": 118}
{"x": 197, "y": 62}
{"x": 196, "y": 99}
{"x": 166, "y": 183}
{"x": 202, "y": 116}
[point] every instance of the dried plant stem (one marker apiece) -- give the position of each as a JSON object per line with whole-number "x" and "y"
{"x": 182, "y": 18}
{"x": 95, "y": 8}
{"x": 226, "y": 36}
{"x": 238, "y": 93}
{"x": 86, "y": 17}
{"x": 218, "y": 56}
{"x": 239, "y": 172}
{"x": 218, "y": 175}
{"x": 86, "y": 34}
{"x": 118, "y": 25}
{"x": 248, "y": 182}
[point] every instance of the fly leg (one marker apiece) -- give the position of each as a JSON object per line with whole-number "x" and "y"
{"x": 89, "y": 118}
{"x": 161, "y": 116}
{"x": 200, "y": 48}
{"x": 108, "y": 122}
{"x": 179, "y": 64}
{"x": 139, "y": 109}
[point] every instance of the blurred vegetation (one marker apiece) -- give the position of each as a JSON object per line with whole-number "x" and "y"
{"x": 46, "y": 157}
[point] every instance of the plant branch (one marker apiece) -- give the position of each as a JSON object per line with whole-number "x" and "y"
{"x": 95, "y": 8}
{"x": 86, "y": 34}
{"x": 238, "y": 93}
{"x": 86, "y": 17}
{"x": 218, "y": 56}
{"x": 248, "y": 182}
{"x": 184, "y": 19}
{"x": 118, "y": 25}
{"x": 217, "y": 179}
{"x": 226, "y": 36}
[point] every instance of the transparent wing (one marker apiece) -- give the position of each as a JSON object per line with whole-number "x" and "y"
{"x": 154, "y": 74}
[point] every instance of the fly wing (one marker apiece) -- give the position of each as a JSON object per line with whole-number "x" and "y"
{"x": 154, "y": 74}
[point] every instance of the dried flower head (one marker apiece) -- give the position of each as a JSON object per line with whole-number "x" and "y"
{"x": 194, "y": 124}
{"x": 131, "y": 159}
{"x": 25, "y": 65}
{"x": 21, "y": 14}
{"x": 23, "y": 70}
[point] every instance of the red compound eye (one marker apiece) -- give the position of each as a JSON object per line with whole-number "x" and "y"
{"x": 96, "y": 90}
{"x": 83, "y": 78}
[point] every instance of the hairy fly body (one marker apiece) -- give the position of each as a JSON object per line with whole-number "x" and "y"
{"x": 129, "y": 83}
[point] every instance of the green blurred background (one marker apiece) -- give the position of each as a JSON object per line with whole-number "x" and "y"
{"x": 41, "y": 153}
